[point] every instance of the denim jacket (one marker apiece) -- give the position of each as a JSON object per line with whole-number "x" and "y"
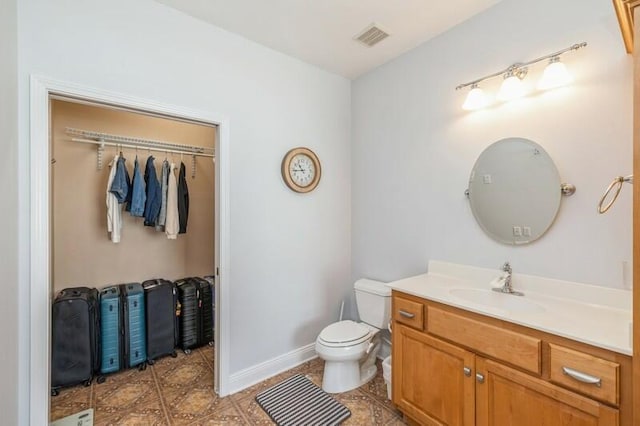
{"x": 138, "y": 196}
{"x": 121, "y": 185}
{"x": 154, "y": 194}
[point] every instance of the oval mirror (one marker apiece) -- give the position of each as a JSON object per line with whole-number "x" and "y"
{"x": 514, "y": 191}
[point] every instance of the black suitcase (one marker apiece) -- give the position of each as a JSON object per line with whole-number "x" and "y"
{"x": 162, "y": 310}
{"x": 206, "y": 311}
{"x": 190, "y": 316}
{"x": 75, "y": 337}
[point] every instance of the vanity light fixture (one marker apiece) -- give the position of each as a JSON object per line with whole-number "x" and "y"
{"x": 555, "y": 75}
{"x": 512, "y": 86}
{"x": 476, "y": 99}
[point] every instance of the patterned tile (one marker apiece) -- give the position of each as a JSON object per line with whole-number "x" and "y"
{"x": 252, "y": 411}
{"x": 225, "y": 414}
{"x": 118, "y": 397}
{"x": 209, "y": 354}
{"x": 188, "y": 405}
{"x": 70, "y": 401}
{"x": 179, "y": 391}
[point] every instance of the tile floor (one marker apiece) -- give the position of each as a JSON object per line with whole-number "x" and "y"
{"x": 179, "y": 391}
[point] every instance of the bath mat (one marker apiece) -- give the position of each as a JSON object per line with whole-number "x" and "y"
{"x": 298, "y": 401}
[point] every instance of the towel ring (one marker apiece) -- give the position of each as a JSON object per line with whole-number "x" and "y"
{"x": 617, "y": 186}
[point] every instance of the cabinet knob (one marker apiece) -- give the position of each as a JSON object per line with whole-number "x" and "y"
{"x": 467, "y": 371}
{"x": 480, "y": 378}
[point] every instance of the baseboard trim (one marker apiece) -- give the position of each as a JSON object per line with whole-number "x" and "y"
{"x": 259, "y": 372}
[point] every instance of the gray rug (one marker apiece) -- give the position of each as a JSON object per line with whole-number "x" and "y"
{"x": 297, "y": 401}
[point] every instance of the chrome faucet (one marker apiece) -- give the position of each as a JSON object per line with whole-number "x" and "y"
{"x": 507, "y": 286}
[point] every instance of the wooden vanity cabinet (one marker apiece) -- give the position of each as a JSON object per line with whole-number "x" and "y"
{"x": 467, "y": 369}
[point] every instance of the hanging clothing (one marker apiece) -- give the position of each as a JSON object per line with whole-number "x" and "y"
{"x": 164, "y": 186}
{"x": 183, "y": 199}
{"x": 172, "y": 224}
{"x": 121, "y": 185}
{"x": 138, "y": 196}
{"x": 114, "y": 213}
{"x": 154, "y": 195}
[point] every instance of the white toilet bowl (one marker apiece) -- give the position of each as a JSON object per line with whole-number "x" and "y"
{"x": 349, "y": 350}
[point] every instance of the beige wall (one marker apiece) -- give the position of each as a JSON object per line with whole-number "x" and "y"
{"x": 82, "y": 252}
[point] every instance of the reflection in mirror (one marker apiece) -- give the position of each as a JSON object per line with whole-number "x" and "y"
{"x": 514, "y": 191}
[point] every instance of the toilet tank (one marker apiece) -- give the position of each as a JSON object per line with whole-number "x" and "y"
{"x": 373, "y": 299}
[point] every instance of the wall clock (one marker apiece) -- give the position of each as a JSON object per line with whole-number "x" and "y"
{"x": 301, "y": 169}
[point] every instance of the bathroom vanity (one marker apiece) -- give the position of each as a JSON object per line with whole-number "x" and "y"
{"x": 466, "y": 355}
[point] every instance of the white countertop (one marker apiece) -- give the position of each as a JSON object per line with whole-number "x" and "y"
{"x": 595, "y": 315}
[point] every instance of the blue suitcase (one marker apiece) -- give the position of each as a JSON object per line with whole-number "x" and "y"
{"x": 111, "y": 334}
{"x": 135, "y": 335}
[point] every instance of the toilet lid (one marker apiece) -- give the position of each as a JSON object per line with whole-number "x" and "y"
{"x": 344, "y": 332}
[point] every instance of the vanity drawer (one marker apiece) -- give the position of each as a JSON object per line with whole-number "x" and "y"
{"x": 585, "y": 373}
{"x": 515, "y": 348}
{"x": 408, "y": 312}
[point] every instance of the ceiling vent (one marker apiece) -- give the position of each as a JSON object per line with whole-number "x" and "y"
{"x": 371, "y": 35}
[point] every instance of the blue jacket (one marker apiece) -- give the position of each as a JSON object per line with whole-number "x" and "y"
{"x": 121, "y": 185}
{"x": 154, "y": 194}
{"x": 138, "y": 196}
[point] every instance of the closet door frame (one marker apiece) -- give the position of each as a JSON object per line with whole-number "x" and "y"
{"x": 41, "y": 91}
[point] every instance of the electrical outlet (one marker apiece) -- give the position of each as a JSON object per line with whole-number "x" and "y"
{"x": 486, "y": 179}
{"x": 526, "y": 231}
{"x": 517, "y": 231}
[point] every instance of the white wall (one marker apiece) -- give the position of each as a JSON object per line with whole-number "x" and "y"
{"x": 290, "y": 253}
{"x": 414, "y": 147}
{"x": 9, "y": 211}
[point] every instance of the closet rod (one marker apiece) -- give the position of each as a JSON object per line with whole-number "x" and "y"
{"x": 146, "y": 148}
{"x": 87, "y": 136}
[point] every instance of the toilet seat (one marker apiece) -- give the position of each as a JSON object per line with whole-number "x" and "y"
{"x": 344, "y": 333}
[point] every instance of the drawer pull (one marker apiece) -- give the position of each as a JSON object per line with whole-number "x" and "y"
{"x": 582, "y": 377}
{"x": 467, "y": 371}
{"x": 406, "y": 314}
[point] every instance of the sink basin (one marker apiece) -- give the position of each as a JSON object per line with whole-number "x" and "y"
{"x": 507, "y": 302}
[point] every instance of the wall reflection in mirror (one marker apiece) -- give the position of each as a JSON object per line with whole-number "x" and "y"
{"x": 515, "y": 191}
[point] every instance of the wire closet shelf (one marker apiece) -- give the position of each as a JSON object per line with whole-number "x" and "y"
{"x": 106, "y": 139}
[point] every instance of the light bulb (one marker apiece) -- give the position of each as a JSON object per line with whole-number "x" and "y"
{"x": 512, "y": 87}
{"x": 476, "y": 99}
{"x": 554, "y": 75}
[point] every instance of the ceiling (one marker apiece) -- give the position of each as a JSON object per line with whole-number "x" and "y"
{"x": 321, "y": 32}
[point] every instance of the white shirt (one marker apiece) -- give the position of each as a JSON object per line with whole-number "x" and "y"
{"x": 114, "y": 212}
{"x": 172, "y": 224}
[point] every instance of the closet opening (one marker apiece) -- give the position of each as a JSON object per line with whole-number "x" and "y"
{"x": 78, "y": 250}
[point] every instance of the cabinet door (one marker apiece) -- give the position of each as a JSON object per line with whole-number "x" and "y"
{"x": 505, "y": 396}
{"x": 430, "y": 383}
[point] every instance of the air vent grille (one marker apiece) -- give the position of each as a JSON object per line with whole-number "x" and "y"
{"x": 371, "y": 36}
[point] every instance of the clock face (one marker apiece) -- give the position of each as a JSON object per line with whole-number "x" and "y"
{"x": 301, "y": 169}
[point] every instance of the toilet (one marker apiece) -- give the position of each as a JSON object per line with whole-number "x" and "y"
{"x": 349, "y": 348}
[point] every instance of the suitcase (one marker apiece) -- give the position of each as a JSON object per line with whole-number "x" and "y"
{"x": 75, "y": 337}
{"x": 111, "y": 331}
{"x": 161, "y": 300}
{"x": 206, "y": 311}
{"x": 190, "y": 316}
{"x": 134, "y": 322}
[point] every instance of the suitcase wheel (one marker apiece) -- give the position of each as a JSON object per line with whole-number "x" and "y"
{"x": 101, "y": 379}
{"x": 211, "y": 344}
{"x": 174, "y": 354}
{"x": 87, "y": 383}
{"x": 55, "y": 392}
{"x": 151, "y": 362}
{"x": 187, "y": 351}
{"x": 142, "y": 367}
